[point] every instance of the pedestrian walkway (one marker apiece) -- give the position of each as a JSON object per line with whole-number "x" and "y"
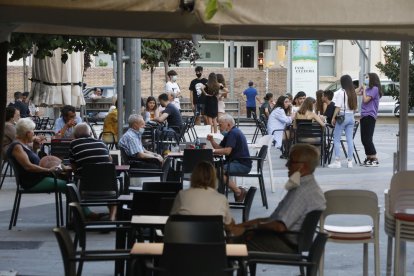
{"x": 31, "y": 248}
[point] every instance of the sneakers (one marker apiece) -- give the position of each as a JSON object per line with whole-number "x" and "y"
{"x": 371, "y": 162}
{"x": 335, "y": 165}
{"x": 350, "y": 164}
{"x": 241, "y": 196}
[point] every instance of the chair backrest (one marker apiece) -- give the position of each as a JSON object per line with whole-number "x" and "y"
{"x": 79, "y": 222}
{"x": 124, "y": 156}
{"x": 162, "y": 186}
{"x": 72, "y": 193}
{"x": 315, "y": 253}
{"x": 149, "y": 202}
{"x": 60, "y": 148}
{"x": 194, "y": 229}
{"x": 307, "y": 230}
{"x": 401, "y": 192}
{"x": 203, "y": 259}
{"x": 66, "y": 249}
{"x": 99, "y": 178}
{"x": 116, "y": 157}
{"x": 265, "y": 140}
{"x": 194, "y": 156}
{"x": 308, "y": 129}
{"x": 248, "y": 201}
{"x": 262, "y": 155}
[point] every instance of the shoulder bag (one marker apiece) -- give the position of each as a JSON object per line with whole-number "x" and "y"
{"x": 340, "y": 118}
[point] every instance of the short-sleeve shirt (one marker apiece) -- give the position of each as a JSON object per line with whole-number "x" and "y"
{"x": 131, "y": 142}
{"x": 22, "y": 107}
{"x": 292, "y": 209}
{"x": 329, "y": 112}
{"x": 174, "y": 116}
{"x": 236, "y": 140}
{"x": 251, "y": 94}
{"x": 339, "y": 101}
{"x": 195, "y": 87}
{"x": 371, "y": 108}
{"x": 60, "y": 123}
{"x": 88, "y": 150}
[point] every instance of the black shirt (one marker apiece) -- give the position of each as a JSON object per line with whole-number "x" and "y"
{"x": 330, "y": 109}
{"x": 198, "y": 97}
{"x": 174, "y": 116}
{"x": 23, "y": 108}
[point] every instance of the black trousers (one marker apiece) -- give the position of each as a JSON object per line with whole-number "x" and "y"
{"x": 367, "y": 132}
{"x": 250, "y": 110}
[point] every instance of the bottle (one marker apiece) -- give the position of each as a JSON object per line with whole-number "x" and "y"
{"x": 197, "y": 143}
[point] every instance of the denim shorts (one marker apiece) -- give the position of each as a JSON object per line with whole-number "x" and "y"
{"x": 237, "y": 167}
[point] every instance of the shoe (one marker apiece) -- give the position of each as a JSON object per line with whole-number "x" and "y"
{"x": 283, "y": 156}
{"x": 372, "y": 163}
{"x": 335, "y": 165}
{"x": 350, "y": 165}
{"x": 366, "y": 161}
{"x": 240, "y": 197}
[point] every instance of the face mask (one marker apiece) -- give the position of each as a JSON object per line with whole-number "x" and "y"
{"x": 293, "y": 181}
{"x": 198, "y": 75}
{"x": 174, "y": 78}
{"x": 224, "y": 133}
{"x": 141, "y": 130}
{"x": 366, "y": 82}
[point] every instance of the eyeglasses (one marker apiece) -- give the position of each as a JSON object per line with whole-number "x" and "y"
{"x": 289, "y": 162}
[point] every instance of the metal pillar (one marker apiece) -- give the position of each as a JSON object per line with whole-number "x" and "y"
{"x": 119, "y": 85}
{"x": 231, "y": 53}
{"x": 289, "y": 68}
{"x": 127, "y": 87}
{"x": 404, "y": 80}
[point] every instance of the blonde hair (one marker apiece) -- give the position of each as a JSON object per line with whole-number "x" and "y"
{"x": 24, "y": 125}
{"x": 204, "y": 176}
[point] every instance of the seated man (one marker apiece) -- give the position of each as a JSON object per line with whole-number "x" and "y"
{"x": 132, "y": 144}
{"x": 234, "y": 147}
{"x": 170, "y": 113}
{"x": 97, "y": 94}
{"x": 65, "y": 123}
{"x": 304, "y": 195}
{"x": 87, "y": 150}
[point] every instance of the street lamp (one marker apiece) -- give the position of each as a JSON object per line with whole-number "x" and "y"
{"x": 261, "y": 60}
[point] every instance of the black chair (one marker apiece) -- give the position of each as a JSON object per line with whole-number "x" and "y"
{"x": 98, "y": 181}
{"x": 306, "y": 243}
{"x": 20, "y": 191}
{"x": 60, "y": 148}
{"x": 162, "y": 186}
{"x": 70, "y": 256}
{"x": 109, "y": 139}
{"x": 149, "y": 202}
{"x": 5, "y": 167}
{"x": 246, "y": 205}
{"x": 310, "y": 132}
{"x": 261, "y": 156}
{"x": 192, "y": 157}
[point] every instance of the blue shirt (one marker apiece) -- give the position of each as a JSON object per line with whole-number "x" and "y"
{"x": 131, "y": 142}
{"x": 251, "y": 94}
{"x": 236, "y": 140}
{"x": 60, "y": 123}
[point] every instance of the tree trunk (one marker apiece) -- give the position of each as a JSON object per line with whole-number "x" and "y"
{"x": 152, "y": 69}
{"x": 166, "y": 68}
{"x": 3, "y": 92}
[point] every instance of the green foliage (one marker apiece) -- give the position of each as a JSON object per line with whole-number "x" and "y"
{"x": 21, "y": 45}
{"x": 152, "y": 52}
{"x": 214, "y": 5}
{"x": 391, "y": 68}
{"x": 102, "y": 63}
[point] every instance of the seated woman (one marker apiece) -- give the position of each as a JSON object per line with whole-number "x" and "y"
{"x": 202, "y": 197}
{"x": 305, "y": 112}
{"x": 151, "y": 109}
{"x": 26, "y": 162}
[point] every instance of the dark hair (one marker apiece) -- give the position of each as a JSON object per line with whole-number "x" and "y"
{"x": 250, "y": 83}
{"x": 163, "y": 97}
{"x": 199, "y": 69}
{"x": 374, "y": 81}
{"x": 66, "y": 109}
{"x": 329, "y": 94}
{"x": 281, "y": 102}
{"x": 220, "y": 79}
{"x": 171, "y": 73}
{"x": 319, "y": 102}
{"x": 25, "y": 94}
{"x": 298, "y": 95}
{"x": 150, "y": 99}
{"x": 213, "y": 85}
{"x": 348, "y": 86}
{"x": 10, "y": 110}
{"x": 268, "y": 96}
{"x": 307, "y": 105}
{"x": 17, "y": 95}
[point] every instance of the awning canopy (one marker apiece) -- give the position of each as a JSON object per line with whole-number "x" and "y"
{"x": 263, "y": 19}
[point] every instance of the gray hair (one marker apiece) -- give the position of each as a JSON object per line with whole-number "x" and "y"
{"x": 23, "y": 126}
{"x": 306, "y": 153}
{"x": 82, "y": 130}
{"x": 133, "y": 118}
{"x": 227, "y": 118}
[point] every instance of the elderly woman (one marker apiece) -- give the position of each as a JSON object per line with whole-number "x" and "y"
{"x": 202, "y": 197}
{"x": 26, "y": 162}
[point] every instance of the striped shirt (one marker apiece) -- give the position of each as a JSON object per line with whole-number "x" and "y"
{"x": 88, "y": 150}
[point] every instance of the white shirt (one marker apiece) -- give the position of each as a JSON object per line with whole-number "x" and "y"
{"x": 173, "y": 87}
{"x": 338, "y": 99}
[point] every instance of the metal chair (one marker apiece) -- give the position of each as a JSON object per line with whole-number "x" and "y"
{"x": 109, "y": 139}
{"x": 60, "y": 148}
{"x": 353, "y": 202}
{"x": 267, "y": 140}
{"x": 192, "y": 157}
{"x": 162, "y": 186}
{"x": 246, "y": 205}
{"x": 310, "y": 132}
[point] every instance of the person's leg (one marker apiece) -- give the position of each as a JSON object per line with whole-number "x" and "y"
{"x": 214, "y": 122}
{"x": 370, "y": 150}
{"x": 236, "y": 167}
{"x": 337, "y": 139}
{"x": 267, "y": 242}
{"x": 47, "y": 184}
{"x": 249, "y": 112}
{"x": 364, "y": 133}
{"x": 349, "y": 133}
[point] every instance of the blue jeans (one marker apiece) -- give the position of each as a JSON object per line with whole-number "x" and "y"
{"x": 237, "y": 167}
{"x": 348, "y": 126}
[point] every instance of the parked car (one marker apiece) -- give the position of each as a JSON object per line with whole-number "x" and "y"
{"x": 387, "y": 103}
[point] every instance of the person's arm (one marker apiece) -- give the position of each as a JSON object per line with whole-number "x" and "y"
{"x": 192, "y": 100}
{"x": 21, "y": 157}
{"x": 318, "y": 119}
{"x": 149, "y": 154}
{"x": 336, "y": 111}
{"x": 214, "y": 144}
{"x": 260, "y": 223}
{"x": 222, "y": 151}
{"x": 162, "y": 117}
{"x": 258, "y": 100}
{"x": 365, "y": 97}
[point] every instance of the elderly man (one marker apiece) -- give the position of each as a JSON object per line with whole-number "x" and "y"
{"x": 87, "y": 150}
{"x": 65, "y": 123}
{"x": 132, "y": 144}
{"x": 304, "y": 195}
{"x": 234, "y": 147}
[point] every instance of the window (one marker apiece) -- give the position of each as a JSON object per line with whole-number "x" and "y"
{"x": 327, "y": 58}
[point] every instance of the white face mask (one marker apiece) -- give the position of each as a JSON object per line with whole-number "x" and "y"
{"x": 366, "y": 82}
{"x": 293, "y": 181}
{"x": 141, "y": 130}
{"x": 174, "y": 78}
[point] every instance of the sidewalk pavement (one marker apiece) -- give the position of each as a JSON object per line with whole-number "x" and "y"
{"x": 30, "y": 248}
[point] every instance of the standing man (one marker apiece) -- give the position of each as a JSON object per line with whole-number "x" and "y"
{"x": 196, "y": 95}
{"x": 172, "y": 87}
{"x": 20, "y": 105}
{"x": 234, "y": 147}
{"x": 251, "y": 97}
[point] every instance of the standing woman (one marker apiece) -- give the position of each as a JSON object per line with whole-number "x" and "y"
{"x": 222, "y": 94}
{"x": 345, "y": 104}
{"x": 266, "y": 107}
{"x": 211, "y": 91}
{"x": 369, "y": 111}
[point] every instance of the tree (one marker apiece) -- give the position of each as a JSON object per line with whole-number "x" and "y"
{"x": 391, "y": 68}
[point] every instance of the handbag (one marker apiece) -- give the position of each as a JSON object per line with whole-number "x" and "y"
{"x": 340, "y": 118}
